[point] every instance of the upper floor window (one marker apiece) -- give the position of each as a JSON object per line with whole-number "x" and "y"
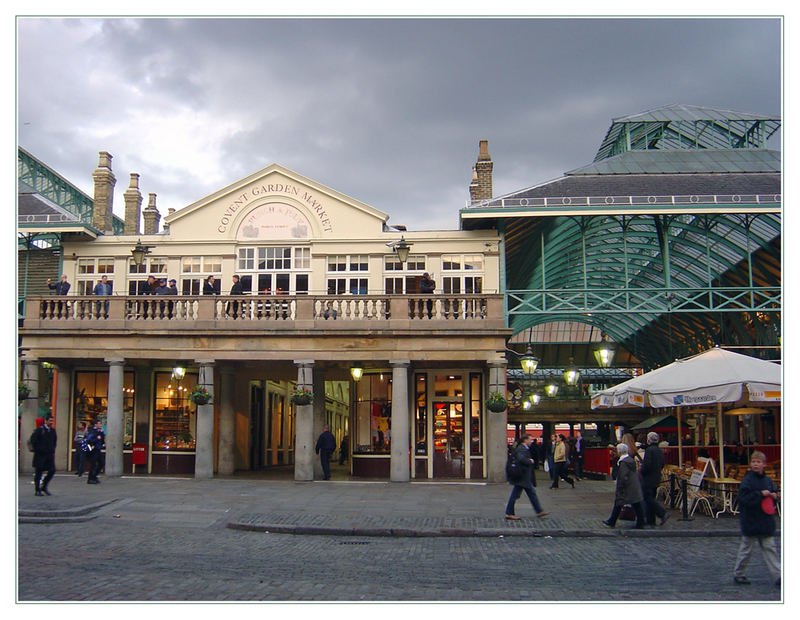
{"x": 348, "y": 262}
{"x": 414, "y": 263}
{"x": 273, "y": 258}
{"x": 462, "y": 262}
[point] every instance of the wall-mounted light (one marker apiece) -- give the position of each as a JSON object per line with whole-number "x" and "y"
{"x": 139, "y": 252}
{"x": 356, "y": 372}
{"x": 178, "y": 372}
{"x": 402, "y": 248}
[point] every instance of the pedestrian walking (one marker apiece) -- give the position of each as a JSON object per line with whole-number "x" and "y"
{"x": 326, "y": 444}
{"x": 560, "y": 463}
{"x": 628, "y": 489}
{"x": 757, "y": 497}
{"x": 95, "y": 441}
{"x": 43, "y": 442}
{"x": 578, "y": 454}
{"x": 651, "y": 479}
{"x": 343, "y": 449}
{"x": 78, "y": 442}
{"x": 524, "y": 482}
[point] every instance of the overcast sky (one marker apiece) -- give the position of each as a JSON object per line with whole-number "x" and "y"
{"x": 387, "y": 111}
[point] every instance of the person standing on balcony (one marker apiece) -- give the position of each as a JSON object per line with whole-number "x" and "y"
{"x": 208, "y": 286}
{"x": 426, "y": 286}
{"x": 147, "y": 288}
{"x": 236, "y": 289}
{"x": 102, "y": 288}
{"x": 61, "y": 288}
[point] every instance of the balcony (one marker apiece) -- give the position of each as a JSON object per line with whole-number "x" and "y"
{"x": 265, "y": 313}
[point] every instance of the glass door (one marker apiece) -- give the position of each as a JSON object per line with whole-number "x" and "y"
{"x": 448, "y": 440}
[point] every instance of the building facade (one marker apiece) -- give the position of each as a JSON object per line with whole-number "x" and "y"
{"x": 323, "y": 291}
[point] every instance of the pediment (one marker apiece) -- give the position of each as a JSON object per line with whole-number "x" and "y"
{"x": 275, "y": 204}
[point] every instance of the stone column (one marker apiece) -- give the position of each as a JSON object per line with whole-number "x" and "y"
{"x": 318, "y": 388}
{"x": 114, "y": 426}
{"x": 30, "y": 407}
{"x": 204, "y": 437}
{"x": 401, "y": 439}
{"x": 304, "y": 426}
{"x": 496, "y": 441}
{"x": 61, "y": 405}
{"x": 227, "y": 424}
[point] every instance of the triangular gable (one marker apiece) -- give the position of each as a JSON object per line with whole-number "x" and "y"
{"x": 275, "y": 203}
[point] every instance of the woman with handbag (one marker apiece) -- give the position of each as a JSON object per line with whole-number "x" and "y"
{"x": 628, "y": 489}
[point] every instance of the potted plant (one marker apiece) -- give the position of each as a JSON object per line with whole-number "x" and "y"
{"x": 22, "y": 391}
{"x": 199, "y": 395}
{"x": 496, "y": 402}
{"x": 301, "y": 396}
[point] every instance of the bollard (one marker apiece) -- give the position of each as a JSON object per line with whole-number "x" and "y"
{"x": 685, "y": 497}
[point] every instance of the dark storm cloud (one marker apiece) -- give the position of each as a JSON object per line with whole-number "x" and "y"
{"x": 387, "y": 111}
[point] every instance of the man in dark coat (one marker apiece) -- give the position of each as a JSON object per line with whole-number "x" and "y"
{"x": 236, "y": 289}
{"x": 43, "y": 442}
{"x": 757, "y": 497}
{"x": 651, "y": 478}
{"x": 628, "y": 490}
{"x": 426, "y": 286}
{"x": 326, "y": 444}
{"x": 525, "y": 461}
{"x": 95, "y": 440}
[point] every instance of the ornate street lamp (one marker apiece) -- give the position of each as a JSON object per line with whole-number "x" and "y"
{"x": 535, "y": 399}
{"x": 528, "y": 361}
{"x": 551, "y": 390}
{"x": 139, "y": 252}
{"x": 572, "y": 374}
{"x": 356, "y": 372}
{"x": 178, "y": 372}
{"x": 604, "y": 352}
{"x": 402, "y": 248}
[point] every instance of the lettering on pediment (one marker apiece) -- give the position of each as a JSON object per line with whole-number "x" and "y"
{"x": 274, "y": 221}
{"x": 281, "y": 211}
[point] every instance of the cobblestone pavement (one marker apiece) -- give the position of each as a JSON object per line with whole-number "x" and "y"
{"x": 164, "y": 539}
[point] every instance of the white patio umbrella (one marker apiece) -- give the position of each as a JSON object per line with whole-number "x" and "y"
{"x": 716, "y": 376}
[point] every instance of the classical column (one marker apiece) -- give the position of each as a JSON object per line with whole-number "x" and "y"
{"x": 204, "y": 435}
{"x": 62, "y": 383}
{"x": 227, "y": 425}
{"x": 496, "y": 450}
{"x": 114, "y": 426}
{"x": 30, "y": 406}
{"x": 318, "y": 388}
{"x": 401, "y": 439}
{"x": 304, "y": 425}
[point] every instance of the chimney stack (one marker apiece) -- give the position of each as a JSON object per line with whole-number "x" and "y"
{"x": 473, "y": 186}
{"x": 151, "y": 216}
{"x": 483, "y": 171}
{"x": 133, "y": 206}
{"x": 170, "y": 211}
{"x": 104, "y": 182}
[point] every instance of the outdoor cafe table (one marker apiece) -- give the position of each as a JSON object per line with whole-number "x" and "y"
{"x": 728, "y": 489}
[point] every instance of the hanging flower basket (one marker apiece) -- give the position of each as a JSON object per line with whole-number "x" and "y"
{"x": 496, "y": 403}
{"x": 23, "y": 391}
{"x": 301, "y": 397}
{"x": 199, "y": 395}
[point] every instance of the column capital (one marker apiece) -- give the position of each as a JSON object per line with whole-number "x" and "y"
{"x": 400, "y": 363}
{"x": 205, "y": 362}
{"x": 114, "y": 361}
{"x": 497, "y": 363}
{"x": 304, "y": 363}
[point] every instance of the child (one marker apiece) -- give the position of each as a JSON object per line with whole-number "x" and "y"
{"x": 757, "y": 496}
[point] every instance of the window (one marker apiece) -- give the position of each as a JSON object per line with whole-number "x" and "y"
{"x": 337, "y": 263}
{"x": 85, "y": 265}
{"x": 373, "y": 414}
{"x": 392, "y": 263}
{"x": 468, "y": 281}
{"x": 191, "y": 264}
{"x": 274, "y": 258}
{"x": 175, "y": 416}
{"x": 421, "y": 416}
{"x": 476, "y": 400}
{"x": 415, "y": 263}
{"x": 89, "y": 272}
{"x": 359, "y": 263}
{"x": 212, "y": 264}
{"x": 451, "y": 262}
{"x": 247, "y": 257}
{"x": 337, "y": 286}
{"x": 91, "y": 402}
{"x": 302, "y": 258}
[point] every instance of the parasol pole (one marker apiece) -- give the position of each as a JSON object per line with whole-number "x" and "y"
{"x": 680, "y": 439}
{"x": 721, "y": 472}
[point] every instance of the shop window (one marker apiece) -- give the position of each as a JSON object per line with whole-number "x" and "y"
{"x": 174, "y": 415}
{"x": 91, "y": 402}
{"x": 421, "y": 416}
{"x": 373, "y": 414}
